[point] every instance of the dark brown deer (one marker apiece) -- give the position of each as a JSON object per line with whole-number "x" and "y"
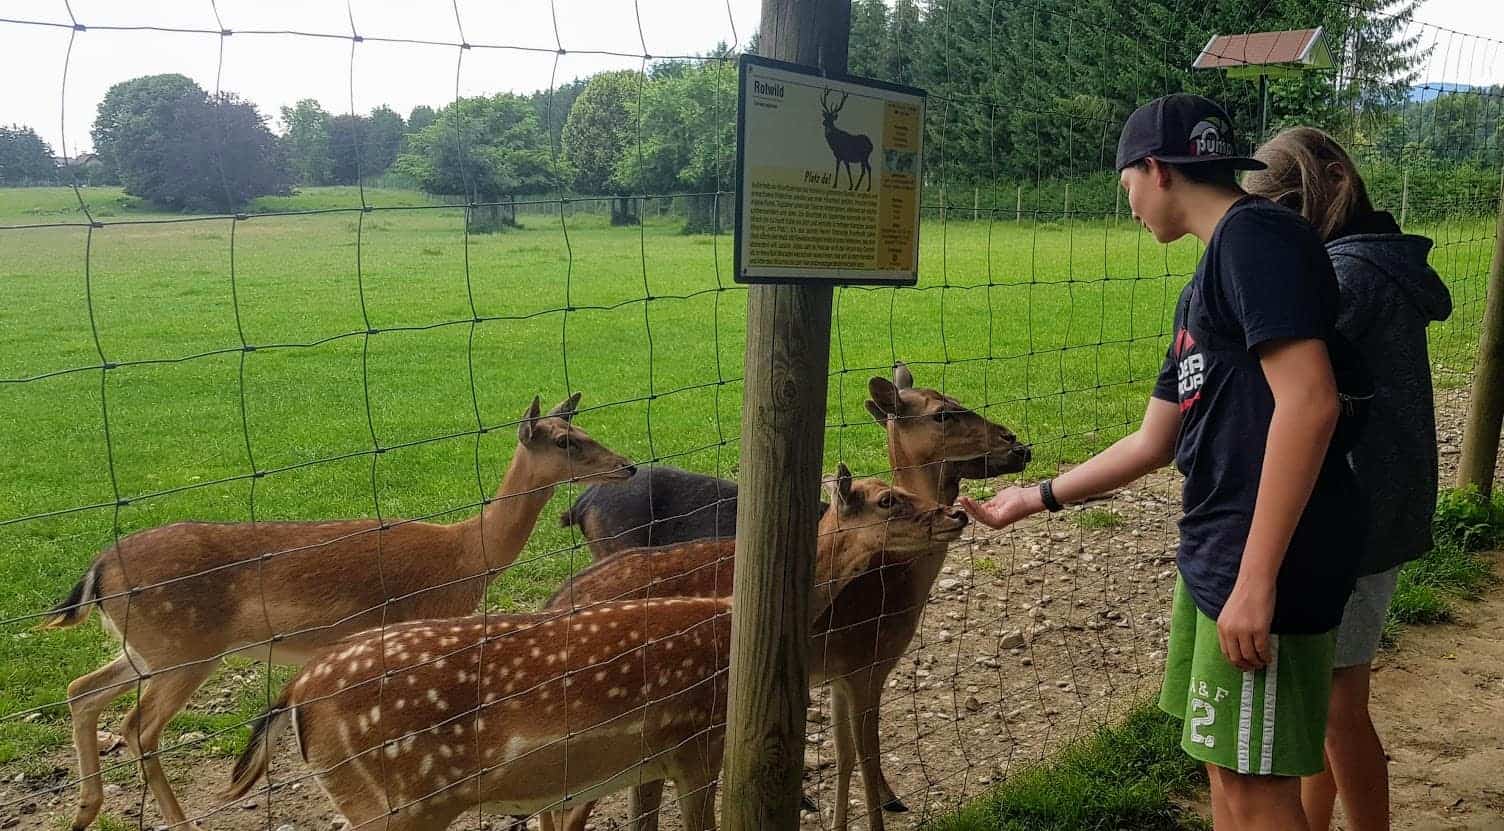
{"x": 860, "y": 640}
{"x": 846, "y": 147}
{"x": 184, "y": 596}
{"x": 664, "y": 505}
{"x": 409, "y": 726}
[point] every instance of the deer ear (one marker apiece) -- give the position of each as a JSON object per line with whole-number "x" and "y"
{"x": 885, "y": 396}
{"x": 566, "y": 409}
{"x": 877, "y": 413}
{"x": 902, "y": 377}
{"x": 848, "y": 499}
{"x": 525, "y": 428}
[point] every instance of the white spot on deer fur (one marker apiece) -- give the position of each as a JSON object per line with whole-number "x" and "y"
{"x": 578, "y": 627}
{"x": 391, "y": 750}
{"x": 629, "y": 607}
{"x": 551, "y": 658}
{"x": 425, "y": 766}
{"x": 376, "y": 714}
{"x": 400, "y": 703}
{"x": 490, "y": 697}
{"x": 368, "y": 663}
{"x": 687, "y": 663}
{"x": 600, "y": 676}
{"x": 616, "y": 692}
{"x": 536, "y": 652}
{"x": 517, "y": 661}
{"x": 423, "y": 657}
{"x": 459, "y": 730}
{"x": 611, "y": 623}
{"x": 439, "y": 664}
{"x": 445, "y": 751}
{"x": 633, "y": 634}
{"x": 365, "y": 724}
{"x": 626, "y": 669}
{"x": 464, "y": 676}
{"x": 412, "y": 680}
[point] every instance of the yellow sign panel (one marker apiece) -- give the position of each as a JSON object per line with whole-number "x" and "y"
{"x": 829, "y": 176}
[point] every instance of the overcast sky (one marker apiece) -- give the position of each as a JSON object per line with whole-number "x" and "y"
{"x": 276, "y": 70}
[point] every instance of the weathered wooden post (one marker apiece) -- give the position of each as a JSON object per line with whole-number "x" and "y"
{"x": 1485, "y": 411}
{"x": 783, "y": 443}
{"x": 1405, "y": 197}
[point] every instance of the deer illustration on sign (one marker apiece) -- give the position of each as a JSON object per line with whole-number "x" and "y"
{"x": 846, "y": 147}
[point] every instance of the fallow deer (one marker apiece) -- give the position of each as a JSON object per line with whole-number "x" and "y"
{"x": 846, "y": 147}
{"x": 409, "y": 726}
{"x": 664, "y": 505}
{"x": 860, "y": 640}
{"x": 183, "y": 596}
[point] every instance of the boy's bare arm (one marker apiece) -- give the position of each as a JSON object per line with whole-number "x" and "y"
{"x": 1299, "y": 373}
{"x": 1147, "y": 449}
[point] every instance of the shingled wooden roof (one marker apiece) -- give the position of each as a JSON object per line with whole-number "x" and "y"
{"x": 1297, "y": 48}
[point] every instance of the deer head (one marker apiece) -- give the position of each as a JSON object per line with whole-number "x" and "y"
{"x": 927, "y": 425}
{"x": 868, "y": 516}
{"x": 829, "y": 113}
{"x": 558, "y": 451}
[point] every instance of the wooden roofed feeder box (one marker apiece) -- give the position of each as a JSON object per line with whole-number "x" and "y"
{"x": 1265, "y": 55}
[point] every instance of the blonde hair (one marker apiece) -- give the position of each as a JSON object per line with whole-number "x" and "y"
{"x": 1309, "y": 172}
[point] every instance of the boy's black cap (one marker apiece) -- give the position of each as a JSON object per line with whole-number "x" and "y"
{"x": 1181, "y": 129}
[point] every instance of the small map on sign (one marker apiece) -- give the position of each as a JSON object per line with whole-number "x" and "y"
{"x": 829, "y": 173}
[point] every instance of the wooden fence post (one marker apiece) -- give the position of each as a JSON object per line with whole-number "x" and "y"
{"x": 783, "y": 443}
{"x": 1404, "y": 197}
{"x": 1485, "y": 410}
{"x": 1018, "y": 212}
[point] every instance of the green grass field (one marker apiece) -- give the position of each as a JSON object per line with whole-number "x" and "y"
{"x": 395, "y": 342}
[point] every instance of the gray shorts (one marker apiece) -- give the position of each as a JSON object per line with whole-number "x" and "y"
{"x": 1362, "y": 623}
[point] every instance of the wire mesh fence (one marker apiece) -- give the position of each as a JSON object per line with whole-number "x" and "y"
{"x": 195, "y": 402}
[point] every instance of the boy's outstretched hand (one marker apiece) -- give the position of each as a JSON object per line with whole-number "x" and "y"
{"x": 1008, "y": 507}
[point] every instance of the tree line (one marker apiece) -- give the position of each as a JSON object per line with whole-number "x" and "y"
{"x": 1020, "y": 91}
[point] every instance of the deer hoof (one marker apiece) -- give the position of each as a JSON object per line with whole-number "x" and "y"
{"x": 896, "y": 806}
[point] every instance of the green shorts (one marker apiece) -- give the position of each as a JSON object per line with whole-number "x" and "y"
{"x": 1269, "y": 722}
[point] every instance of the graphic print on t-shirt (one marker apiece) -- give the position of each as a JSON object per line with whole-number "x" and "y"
{"x": 1192, "y": 369}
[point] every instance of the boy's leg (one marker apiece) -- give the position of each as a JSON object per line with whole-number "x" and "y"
{"x": 1258, "y": 803}
{"x": 1318, "y": 794}
{"x": 1263, "y": 729}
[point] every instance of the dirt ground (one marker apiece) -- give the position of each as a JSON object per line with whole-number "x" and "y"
{"x": 1033, "y": 637}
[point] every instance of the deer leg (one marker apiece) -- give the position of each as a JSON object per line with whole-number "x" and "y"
{"x": 576, "y": 817}
{"x": 88, "y": 695}
{"x": 867, "y": 172}
{"x": 866, "y": 708}
{"x": 697, "y": 802}
{"x": 546, "y": 821}
{"x": 837, "y": 182}
{"x": 845, "y": 727}
{"x": 643, "y": 805}
{"x": 164, "y": 696}
{"x": 849, "y": 180}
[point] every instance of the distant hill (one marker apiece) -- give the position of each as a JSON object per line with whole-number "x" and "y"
{"x": 1430, "y": 90}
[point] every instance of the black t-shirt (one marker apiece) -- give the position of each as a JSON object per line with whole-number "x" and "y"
{"x": 1265, "y": 276}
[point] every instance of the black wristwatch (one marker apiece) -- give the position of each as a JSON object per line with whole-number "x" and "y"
{"x": 1047, "y": 496}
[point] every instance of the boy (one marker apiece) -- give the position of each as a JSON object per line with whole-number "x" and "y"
{"x": 1246, "y": 405}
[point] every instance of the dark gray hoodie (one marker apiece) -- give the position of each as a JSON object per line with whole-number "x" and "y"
{"x": 1389, "y": 295}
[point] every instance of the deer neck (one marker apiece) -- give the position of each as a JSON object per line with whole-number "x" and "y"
{"x": 914, "y": 475}
{"x": 830, "y": 575}
{"x": 494, "y": 537}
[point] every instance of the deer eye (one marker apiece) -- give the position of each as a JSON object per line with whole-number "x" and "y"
{"x": 562, "y": 442}
{"x": 886, "y": 502}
